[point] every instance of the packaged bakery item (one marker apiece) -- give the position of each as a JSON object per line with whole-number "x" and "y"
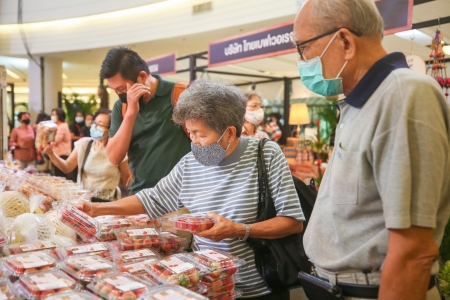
{"x": 120, "y": 286}
{"x": 143, "y": 220}
{"x": 27, "y": 263}
{"x": 7, "y": 290}
{"x": 98, "y": 249}
{"x": 170, "y": 292}
{"x": 86, "y": 267}
{"x": 30, "y": 247}
{"x": 172, "y": 243}
{"x": 177, "y": 269}
{"x": 138, "y": 238}
{"x": 219, "y": 263}
{"x": 73, "y": 295}
{"x": 192, "y": 222}
{"x": 84, "y": 225}
{"x": 39, "y": 285}
{"x": 45, "y": 133}
{"x": 108, "y": 226}
{"x": 130, "y": 256}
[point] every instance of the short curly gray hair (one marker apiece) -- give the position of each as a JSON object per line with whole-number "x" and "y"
{"x": 218, "y": 104}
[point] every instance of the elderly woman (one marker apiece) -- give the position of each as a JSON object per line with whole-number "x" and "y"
{"x": 254, "y": 116}
{"x": 220, "y": 176}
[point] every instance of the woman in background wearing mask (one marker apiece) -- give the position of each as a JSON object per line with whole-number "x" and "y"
{"x": 75, "y": 127}
{"x": 254, "y": 116}
{"x": 86, "y": 130}
{"x": 61, "y": 145}
{"x": 96, "y": 173}
{"x": 22, "y": 139}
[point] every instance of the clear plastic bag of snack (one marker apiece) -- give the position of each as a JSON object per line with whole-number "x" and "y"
{"x": 177, "y": 269}
{"x": 7, "y": 290}
{"x": 219, "y": 263}
{"x": 30, "y": 247}
{"x": 87, "y": 267}
{"x": 231, "y": 295}
{"x": 120, "y": 286}
{"x": 172, "y": 243}
{"x": 192, "y": 222}
{"x": 73, "y": 295}
{"x": 138, "y": 238}
{"x": 220, "y": 286}
{"x": 130, "y": 256}
{"x": 143, "y": 220}
{"x": 33, "y": 262}
{"x": 169, "y": 292}
{"x": 100, "y": 249}
{"x": 39, "y": 285}
{"x": 45, "y": 133}
{"x": 84, "y": 225}
{"x": 108, "y": 227}
{"x": 137, "y": 268}
{"x": 29, "y": 189}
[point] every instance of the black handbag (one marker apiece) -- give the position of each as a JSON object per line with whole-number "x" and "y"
{"x": 278, "y": 261}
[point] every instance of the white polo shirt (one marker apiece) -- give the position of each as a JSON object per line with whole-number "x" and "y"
{"x": 390, "y": 169}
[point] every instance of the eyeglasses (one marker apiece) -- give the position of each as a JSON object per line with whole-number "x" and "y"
{"x": 100, "y": 125}
{"x": 302, "y": 46}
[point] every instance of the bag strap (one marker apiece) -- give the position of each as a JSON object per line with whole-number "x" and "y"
{"x": 265, "y": 202}
{"x": 86, "y": 154}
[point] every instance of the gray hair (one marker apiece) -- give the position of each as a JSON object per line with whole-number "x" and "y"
{"x": 219, "y": 105}
{"x": 361, "y": 16}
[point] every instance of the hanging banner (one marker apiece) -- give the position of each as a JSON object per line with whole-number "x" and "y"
{"x": 277, "y": 40}
{"x": 163, "y": 65}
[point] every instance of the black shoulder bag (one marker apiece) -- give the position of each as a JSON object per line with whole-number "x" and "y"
{"x": 278, "y": 261}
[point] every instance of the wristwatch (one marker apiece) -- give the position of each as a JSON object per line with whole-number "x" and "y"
{"x": 247, "y": 233}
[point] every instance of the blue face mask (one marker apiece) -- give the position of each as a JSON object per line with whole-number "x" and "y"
{"x": 311, "y": 75}
{"x": 79, "y": 119}
{"x": 96, "y": 133}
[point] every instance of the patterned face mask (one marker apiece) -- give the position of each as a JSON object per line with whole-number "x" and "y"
{"x": 210, "y": 155}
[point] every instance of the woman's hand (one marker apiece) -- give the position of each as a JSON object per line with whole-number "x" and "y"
{"x": 86, "y": 207}
{"x": 222, "y": 229}
{"x": 47, "y": 149}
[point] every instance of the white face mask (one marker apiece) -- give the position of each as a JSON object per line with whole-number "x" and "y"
{"x": 255, "y": 117}
{"x": 53, "y": 118}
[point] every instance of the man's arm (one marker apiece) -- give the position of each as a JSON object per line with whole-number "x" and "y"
{"x": 119, "y": 141}
{"x": 407, "y": 268}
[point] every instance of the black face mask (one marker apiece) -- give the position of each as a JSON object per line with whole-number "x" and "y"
{"x": 26, "y": 121}
{"x": 123, "y": 98}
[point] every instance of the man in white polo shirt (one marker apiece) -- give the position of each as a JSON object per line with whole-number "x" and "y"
{"x": 385, "y": 198}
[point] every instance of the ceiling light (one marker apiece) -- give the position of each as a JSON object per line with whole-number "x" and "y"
{"x": 12, "y": 74}
{"x": 416, "y": 36}
{"x": 446, "y": 49}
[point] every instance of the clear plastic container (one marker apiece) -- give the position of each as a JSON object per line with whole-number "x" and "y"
{"x": 220, "y": 286}
{"x": 127, "y": 257}
{"x": 138, "y": 238}
{"x": 108, "y": 226}
{"x": 27, "y": 263}
{"x": 83, "y": 295}
{"x": 30, "y": 247}
{"x": 39, "y": 285}
{"x": 86, "y": 268}
{"x": 172, "y": 243}
{"x": 231, "y": 295}
{"x": 138, "y": 268}
{"x": 79, "y": 221}
{"x": 99, "y": 249}
{"x": 120, "y": 286}
{"x": 144, "y": 220}
{"x": 177, "y": 269}
{"x": 45, "y": 133}
{"x": 192, "y": 222}
{"x": 6, "y": 290}
{"x": 169, "y": 292}
{"x": 219, "y": 263}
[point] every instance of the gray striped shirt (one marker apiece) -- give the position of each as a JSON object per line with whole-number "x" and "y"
{"x": 230, "y": 190}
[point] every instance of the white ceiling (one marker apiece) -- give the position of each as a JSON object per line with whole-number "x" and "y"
{"x": 82, "y": 67}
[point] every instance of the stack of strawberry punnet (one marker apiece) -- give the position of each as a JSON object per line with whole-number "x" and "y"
{"x": 120, "y": 286}
{"x": 222, "y": 273}
{"x": 84, "y": 225}
{"x": 138, "y": 238}
{"x": 108, "y": 225}
{"x": 192, "y": 222}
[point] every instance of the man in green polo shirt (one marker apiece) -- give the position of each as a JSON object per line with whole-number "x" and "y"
{"x": 146, "y": 132}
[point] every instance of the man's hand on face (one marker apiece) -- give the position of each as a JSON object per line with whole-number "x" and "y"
{"x": 134, "y": 93}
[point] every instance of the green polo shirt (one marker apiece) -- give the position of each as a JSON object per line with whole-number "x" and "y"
{"x": 157, "y": 143}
